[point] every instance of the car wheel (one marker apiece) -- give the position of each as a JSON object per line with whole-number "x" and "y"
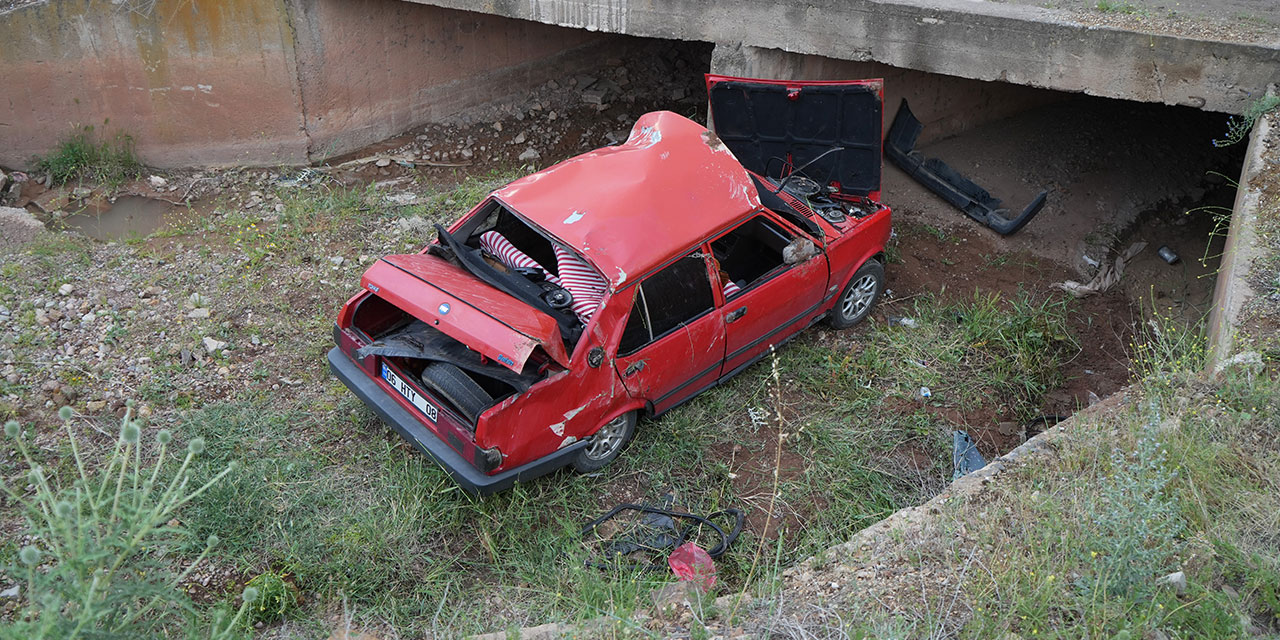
{"x": 859, "y": 296}
{"x": 606, "y": 443}
{"x": 457, "y": 388}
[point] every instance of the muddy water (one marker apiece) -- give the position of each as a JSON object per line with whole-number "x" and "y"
{"x": 127, "y": 216}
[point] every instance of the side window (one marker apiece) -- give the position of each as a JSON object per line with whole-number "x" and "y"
{"x": 665, "y": 300}
{"x": 752, "y": 250}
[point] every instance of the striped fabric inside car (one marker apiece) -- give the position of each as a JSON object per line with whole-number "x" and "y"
{"x": 494, "y": 243}
{"x": 584, "y": 284}
{"x": 730, "y": 288}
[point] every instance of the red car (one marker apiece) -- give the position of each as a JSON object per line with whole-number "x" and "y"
{"x": 534, "y": 331}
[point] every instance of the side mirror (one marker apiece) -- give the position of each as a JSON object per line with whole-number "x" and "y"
{"x": 595, "y": 357}
{"x": 798, "y": 251}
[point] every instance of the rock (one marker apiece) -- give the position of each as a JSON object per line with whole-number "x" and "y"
{"x": 95, "y": 406}
{"x": 382, "y": 162}
{"x": 150, "y": 292}
{"x": 337, "y": 260}
{"x": 185, "y": 357}
{"x": 529, "y": 154}
{"x": 199, "y": 313}
{"x": 674, "y": 597}
{"x": 157, "y": 182}
{"x": 213, "y": 345}
{"x": 17, "y": 227}
{"x": 1176, "y": 580}
{"x": 88, "y": 318}
{"x": 594, "y": 96}
{"x": 66, "y": 289}
{"x": 404, "y": 198}
{"x": 519, "y": 139}
{"x": 497, "y": 126}
{"x": 11, "y": 592}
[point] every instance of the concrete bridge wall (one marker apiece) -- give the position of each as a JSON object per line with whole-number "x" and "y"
{"x": 259, "y": 82}
{"x": 990, "y": 41}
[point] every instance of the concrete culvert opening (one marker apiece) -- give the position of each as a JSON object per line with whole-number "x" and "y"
{"x": 1122, "y": 177}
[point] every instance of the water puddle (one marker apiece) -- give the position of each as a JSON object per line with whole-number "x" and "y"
{"x": 128, "y": 216}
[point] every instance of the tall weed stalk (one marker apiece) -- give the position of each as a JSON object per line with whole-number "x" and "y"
{"x": 95, "y": 564}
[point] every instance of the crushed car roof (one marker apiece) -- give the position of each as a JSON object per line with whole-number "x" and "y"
{"x": 632, "y": 207}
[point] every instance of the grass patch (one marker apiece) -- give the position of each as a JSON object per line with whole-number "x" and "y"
{"x": 1088, "y": 541}
{"x": 1110, "y": 6}
{"x": 331, "y": 498}
{"x": 84, "y": 157}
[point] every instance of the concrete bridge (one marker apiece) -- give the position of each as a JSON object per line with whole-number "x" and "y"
{"x": 208, "y": 82}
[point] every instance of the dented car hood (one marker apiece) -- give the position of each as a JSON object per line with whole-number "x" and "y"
{"x": 767, "y": 123}
{"x": 457, "y": 303}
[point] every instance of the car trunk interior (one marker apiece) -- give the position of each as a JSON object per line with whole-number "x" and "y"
{"x": 411, "y": 345}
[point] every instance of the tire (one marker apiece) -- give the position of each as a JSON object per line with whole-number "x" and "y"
{"x": 859, "y": 297}
{"x": 607, "y": 442}
{"x": 457, "y": 388}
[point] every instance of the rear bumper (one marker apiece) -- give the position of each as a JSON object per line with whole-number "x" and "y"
{"x": 410, "y": 428}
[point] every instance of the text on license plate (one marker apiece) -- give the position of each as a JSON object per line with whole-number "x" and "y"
{"x": 409, "y": 393}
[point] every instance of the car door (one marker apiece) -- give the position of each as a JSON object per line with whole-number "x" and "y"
{"x": 673, "y": 343}
{"x": 774, "y": 280}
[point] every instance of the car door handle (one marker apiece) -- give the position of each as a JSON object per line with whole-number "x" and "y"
{"x": 633, "y": 368}
{"x": 733, "y": 316}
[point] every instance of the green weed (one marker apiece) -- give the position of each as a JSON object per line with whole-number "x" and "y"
{"x": 1238, "y": 127}
{"x": 82, "y": 156}
{"x": 95, "y": 567}
{"x": 1110, "y": 6}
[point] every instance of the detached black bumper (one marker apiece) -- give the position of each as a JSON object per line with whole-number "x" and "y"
{"x": 410, "y": 428}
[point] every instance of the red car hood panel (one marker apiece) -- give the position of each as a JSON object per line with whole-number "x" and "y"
{"x": 468, "y": 310}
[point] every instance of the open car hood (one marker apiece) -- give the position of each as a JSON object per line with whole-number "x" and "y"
{"x": 457, "y": 303}
{"x": 769, "y": 124}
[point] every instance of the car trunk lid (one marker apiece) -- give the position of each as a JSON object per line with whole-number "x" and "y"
{"x": 797, "y": 122}
{"x": 457, "y": 303}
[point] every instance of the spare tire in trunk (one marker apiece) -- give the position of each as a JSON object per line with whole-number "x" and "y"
{"x": 457, "y": 388}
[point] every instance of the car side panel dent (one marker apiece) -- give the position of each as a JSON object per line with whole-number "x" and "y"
{"x": 564, "y": 407}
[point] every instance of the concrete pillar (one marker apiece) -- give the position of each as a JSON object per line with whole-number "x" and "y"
{"x": 1232, "y": 289}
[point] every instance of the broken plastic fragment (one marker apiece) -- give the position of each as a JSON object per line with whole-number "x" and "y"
{"x": 965, "y": 458}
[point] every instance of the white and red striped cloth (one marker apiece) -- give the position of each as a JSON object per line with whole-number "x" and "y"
{"x": 582, "y": 282}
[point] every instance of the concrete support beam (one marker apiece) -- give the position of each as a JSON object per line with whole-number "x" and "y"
{"x": 1232, "y": 291}
{"x": 990, "y": 41}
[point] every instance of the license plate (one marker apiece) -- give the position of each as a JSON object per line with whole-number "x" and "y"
{"x": 409, "y": 393}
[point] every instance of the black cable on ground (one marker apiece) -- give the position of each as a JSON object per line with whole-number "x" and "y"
{"x": 726, "y": 539}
